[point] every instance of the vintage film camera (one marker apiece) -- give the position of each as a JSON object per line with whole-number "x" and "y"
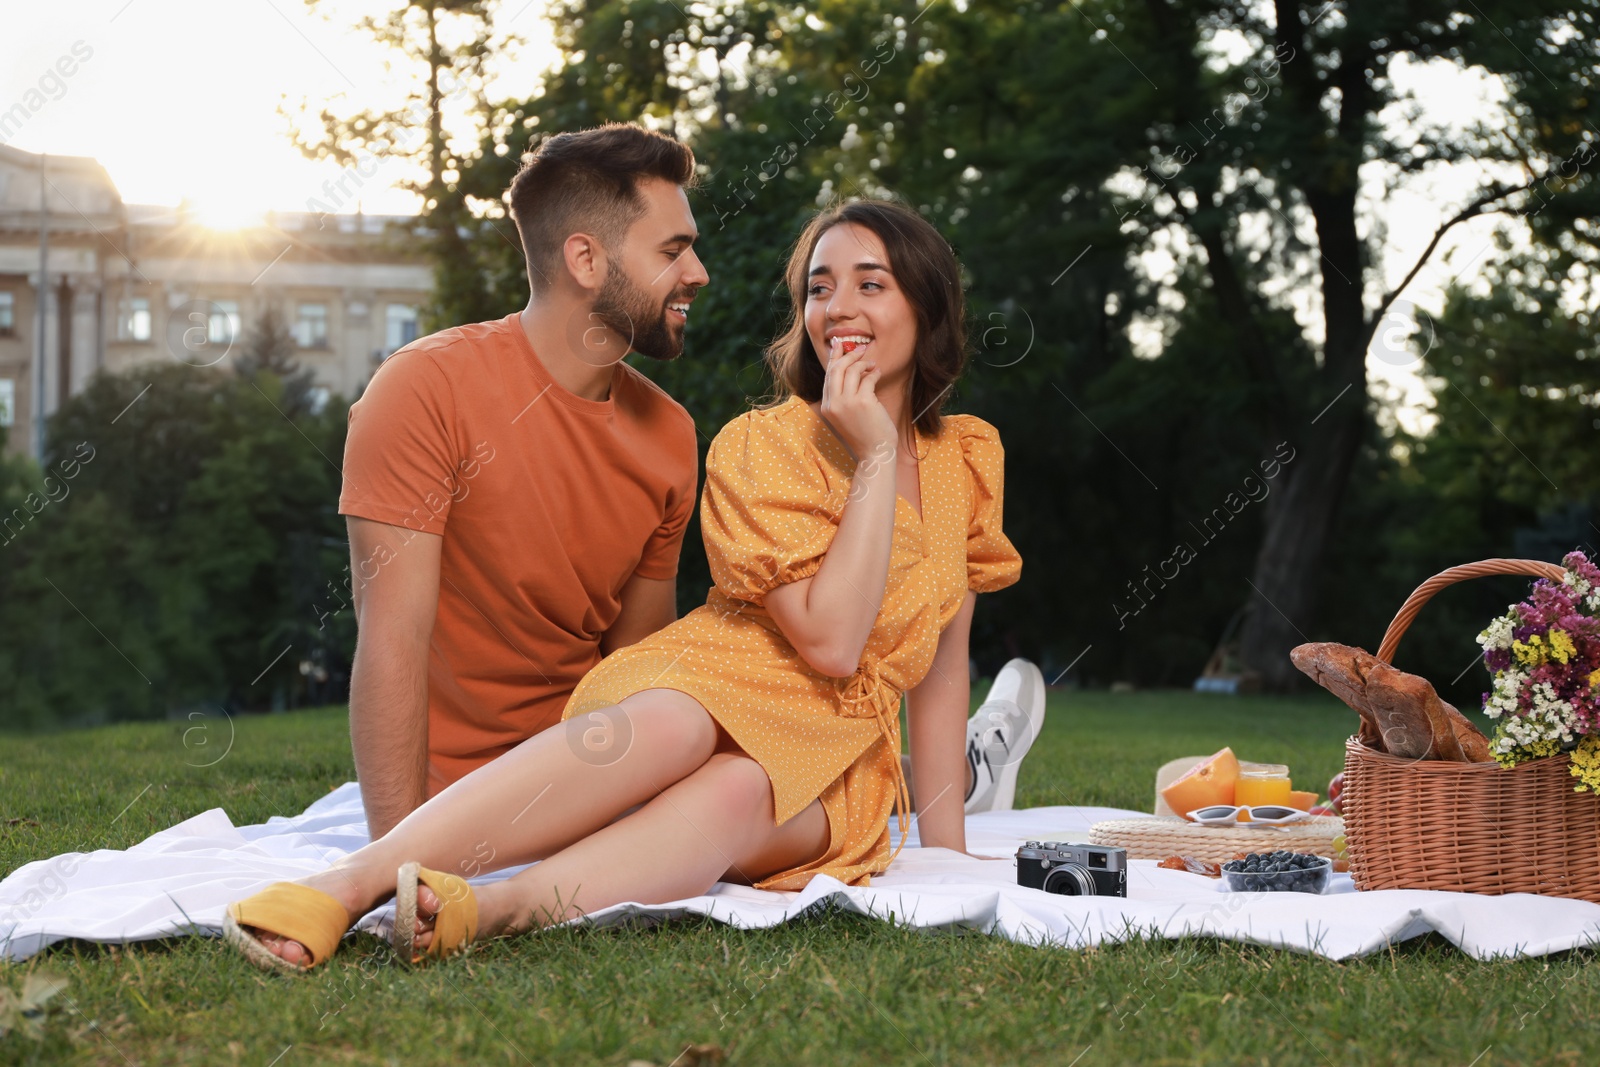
{"x": 1073, "y": 869}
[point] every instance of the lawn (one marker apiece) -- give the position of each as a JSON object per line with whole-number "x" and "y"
{"x": 832, "y": 989}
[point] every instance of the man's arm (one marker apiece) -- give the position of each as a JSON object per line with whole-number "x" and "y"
{"x": 395, "y": 581}
{"x": 648, "y": 604}
{"x": 936, "y": 720}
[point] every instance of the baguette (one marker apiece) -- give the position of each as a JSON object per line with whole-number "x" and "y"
{"x": 1400, "y": 713}
{"x": 1342, "y": 670}
{"x": 1412, "y": 716}
{"x": 1473, "y": 744}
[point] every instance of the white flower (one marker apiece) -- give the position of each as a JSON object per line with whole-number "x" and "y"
{"x": 1498, "y": 634}
{"x": 1527, "y": 730}
{"x": 1503, "y": 693}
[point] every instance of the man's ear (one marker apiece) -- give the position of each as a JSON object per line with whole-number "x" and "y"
{"x": 585, "y": 260}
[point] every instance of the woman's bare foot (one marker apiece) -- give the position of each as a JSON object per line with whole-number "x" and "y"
{"x": 339, "y": 885}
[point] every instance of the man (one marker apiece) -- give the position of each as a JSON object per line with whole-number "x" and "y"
{"x": 516, "y": 495}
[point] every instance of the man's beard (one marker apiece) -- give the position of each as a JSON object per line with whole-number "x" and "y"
{"x": 628, "y": 311}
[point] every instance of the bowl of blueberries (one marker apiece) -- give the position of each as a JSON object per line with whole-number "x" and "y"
{"x": 1278, "y": 872}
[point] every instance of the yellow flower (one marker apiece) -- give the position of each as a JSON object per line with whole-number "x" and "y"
{"x": 1586, "y": 765}
{"x": 1561, "y": 647}
{"x": 1529, "y": 653}
{"x": 1522, "y": 753}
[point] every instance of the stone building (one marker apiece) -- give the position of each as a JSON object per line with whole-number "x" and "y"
{"x": 127, "y": 284}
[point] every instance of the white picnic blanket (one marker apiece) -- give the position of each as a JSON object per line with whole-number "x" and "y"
{"x": 179, "y": 880}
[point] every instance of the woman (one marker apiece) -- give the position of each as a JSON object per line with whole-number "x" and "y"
{"x": 756, "y": 739}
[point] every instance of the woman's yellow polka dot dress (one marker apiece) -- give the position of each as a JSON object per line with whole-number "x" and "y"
{"x": 777, "y": 481}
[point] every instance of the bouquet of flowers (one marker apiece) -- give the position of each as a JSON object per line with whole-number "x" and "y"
{"x": 1544, "y": 654}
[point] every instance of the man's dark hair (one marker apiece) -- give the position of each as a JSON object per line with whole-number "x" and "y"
{"x": 588, "y": 182}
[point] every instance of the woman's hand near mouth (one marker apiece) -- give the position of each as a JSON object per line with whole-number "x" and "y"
{"x": 850, "y": 403}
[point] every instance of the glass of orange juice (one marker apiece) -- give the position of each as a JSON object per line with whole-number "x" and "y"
{"x": 1262, "y": 783}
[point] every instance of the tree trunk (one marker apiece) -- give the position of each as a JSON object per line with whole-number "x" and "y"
{"x": 1300, "y": 516}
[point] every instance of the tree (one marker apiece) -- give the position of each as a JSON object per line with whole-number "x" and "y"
{"x": 270, "y": 350}
{"x": 1236, "y": 136}
{"x": 1504, "y": 470}
{"x": 1351, "y": 80}
{"x": 441, "y": 48}
{"x": 1516, "y": 380}
{"x": 178, "y": 548}
{"x": 1060, "y": 146}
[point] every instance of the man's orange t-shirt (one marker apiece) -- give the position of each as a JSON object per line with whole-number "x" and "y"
{"x": 548, "y": 503}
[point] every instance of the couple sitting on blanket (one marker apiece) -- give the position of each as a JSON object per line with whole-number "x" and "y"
{"x": 516, "y": 498}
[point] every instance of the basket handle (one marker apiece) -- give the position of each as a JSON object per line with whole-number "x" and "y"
{"x": 1408, "y": 611}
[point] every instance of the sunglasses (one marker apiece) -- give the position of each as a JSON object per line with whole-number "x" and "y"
{"x": 1258, "y": 815}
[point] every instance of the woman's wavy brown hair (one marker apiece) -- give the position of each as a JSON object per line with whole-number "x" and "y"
{"x": 924, "y": 266}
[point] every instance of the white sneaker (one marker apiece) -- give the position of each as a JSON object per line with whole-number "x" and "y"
{"x": 1000, "y": 733}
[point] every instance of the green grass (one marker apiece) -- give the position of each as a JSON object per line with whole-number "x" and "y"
{"x": 832, "y": 989}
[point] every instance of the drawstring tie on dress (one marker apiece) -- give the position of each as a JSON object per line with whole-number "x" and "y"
{"x": 865, "y": 695}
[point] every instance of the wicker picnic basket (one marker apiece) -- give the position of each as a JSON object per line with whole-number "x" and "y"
{"x": 1468, "y": 827}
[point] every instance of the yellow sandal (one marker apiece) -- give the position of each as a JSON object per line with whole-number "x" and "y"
{"x": 288, "y": 910}
{"x": 454, "y": 926}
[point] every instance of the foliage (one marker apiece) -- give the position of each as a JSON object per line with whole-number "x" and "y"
{"x": 439, "y": 50}
{"x": 269, "y": 347}
{"x": 1065, "y": 150}
{"x": 1059, "y": 147}
{"x": 174, "y": 543}
{"x": 1503, "y": 470}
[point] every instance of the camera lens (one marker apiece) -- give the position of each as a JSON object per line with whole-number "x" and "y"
{"x": 1070, "y": 879}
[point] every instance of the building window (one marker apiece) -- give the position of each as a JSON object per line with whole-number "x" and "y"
{"x": 223, "y": 325}
{"x": 317, "y": 398}
{"x": 134, "y": 322}
{"x": 8, "y": 401}
{"x": 399, "y": 326}
{"x": 8, "y": 313}
{"x": 311, "y": 326}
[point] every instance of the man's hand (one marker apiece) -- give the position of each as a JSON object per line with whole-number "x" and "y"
{"x": 648, "y": 604}
{"x": 395, "y": 580}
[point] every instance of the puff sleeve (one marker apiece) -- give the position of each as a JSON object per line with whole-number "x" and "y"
{"x": 992, "y": 562}
{"x": 766, "y": 514}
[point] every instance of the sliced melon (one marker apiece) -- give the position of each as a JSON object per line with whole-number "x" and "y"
{"x": 1210, "y": 782}
{"x": 1301, "y": 799}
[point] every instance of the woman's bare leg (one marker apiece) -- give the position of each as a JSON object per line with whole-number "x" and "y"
{"x": 716, "y": 824}
{"x": 548, "y": 792}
